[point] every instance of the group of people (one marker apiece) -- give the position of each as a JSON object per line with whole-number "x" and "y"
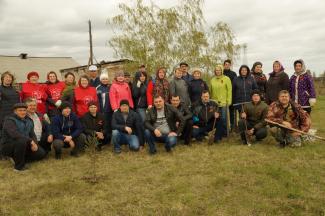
{"x": 63, "y": 114}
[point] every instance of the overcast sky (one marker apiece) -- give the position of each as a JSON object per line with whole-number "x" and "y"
{"x": 282, "y": 30}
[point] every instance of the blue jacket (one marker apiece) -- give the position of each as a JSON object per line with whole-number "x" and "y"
{"x": 103, "y": 98}
{"x": 242, "y": 88}
{"x": 69, "y": 126}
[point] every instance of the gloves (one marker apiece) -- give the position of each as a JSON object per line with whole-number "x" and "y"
{"x": 58, "y": 103}
{"x": 312, "y": 101}
{"x": 138, "y": 83}
{"x": 46, "y": 118}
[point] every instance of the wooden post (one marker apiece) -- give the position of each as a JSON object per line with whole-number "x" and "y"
{"x": 90, "y": 62}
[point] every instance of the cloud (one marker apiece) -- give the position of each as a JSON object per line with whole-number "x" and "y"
{"x": 281, "y": 29}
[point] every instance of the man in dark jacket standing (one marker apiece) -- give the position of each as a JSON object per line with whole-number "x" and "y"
{"x": 232, "y": 75}
{"x": 205, "y": 117}
{"x": 187, "y": 116}
{"x": 253, "y": 118}
{"x": 126, "y": 125}
{"x": 185, "y": 74}
{"x": 93, "y": 76}
{"x": 161, "y": 125}
{"x": 95, "y": 126}
{"x": 18, "y": 138}
{"x": 67, "y": 131}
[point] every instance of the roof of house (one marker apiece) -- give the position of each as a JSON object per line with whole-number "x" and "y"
{"x": 22, "y": 64}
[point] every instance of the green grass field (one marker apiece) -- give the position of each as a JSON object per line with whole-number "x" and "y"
{"x": 222, "y": 179}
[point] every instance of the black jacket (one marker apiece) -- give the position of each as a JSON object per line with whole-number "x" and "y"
{"x": 133, "y": 121}
{"x": 172, "y": 115}
{"x": 185, "y": 111}
{"x": 139, "y": 95}
{"x": 242, "y": 88}
{"x": 93, "y": 124}
{"x": 9, "y": 96}
{"x": 196, "y": 87}
{"x": 203, "y": 114}
{"x": 231, "y": 74}
{"x": 277, "y": 82}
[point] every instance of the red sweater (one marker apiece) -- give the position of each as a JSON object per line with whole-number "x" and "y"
{"x": 82, "y": 96}
{"x": 120, "y": 91}
{"x": 37, "y": 91}
{"x": 54, "y": 92}
{"x": 150, "y": 93}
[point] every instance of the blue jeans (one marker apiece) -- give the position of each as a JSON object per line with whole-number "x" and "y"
{"x": 151, "y": 138}
{"x": 119, "y": 138}
{"x": 223, "y": 119}
{"x": 142, "y": 113}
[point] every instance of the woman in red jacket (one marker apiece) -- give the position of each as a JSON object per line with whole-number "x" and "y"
{"x": 54, "y": 92}
{"x": 120, "y": 90}
{"x": 83, "y": 94}
{"x": 36, "y": 90}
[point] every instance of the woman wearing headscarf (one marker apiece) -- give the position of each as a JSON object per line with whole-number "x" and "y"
{"x": 158, "y": 86}
{"x": 302, "y": 90}
{"x": 260, "y": 78}
{"x": 278, "y": 81}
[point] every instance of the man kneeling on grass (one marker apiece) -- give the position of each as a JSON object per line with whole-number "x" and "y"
{"x": 67, "y": 131}
{"x": 205, "y": 118}
{"x": 252, "y": 121}
{"x": 126, "y": 125}
{"x": 18, "y": 138}
{"x": 161, "y": 125}
{"x": 187, "y": 115}
{"x": 94, "y": 125}
{"x": 291, "y": 115}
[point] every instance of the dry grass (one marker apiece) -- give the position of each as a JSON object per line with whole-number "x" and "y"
{"x": 223, "y": 179}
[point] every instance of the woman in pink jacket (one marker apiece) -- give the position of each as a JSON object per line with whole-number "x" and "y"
{"x": 119, "y": 90}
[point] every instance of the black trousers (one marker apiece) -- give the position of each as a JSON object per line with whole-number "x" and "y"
{"x": 44, "y": 144}
{"x": 259, "y": 134}
{"x": 79, "y": 142}
{"x": 187, "y": 131}
{"x": 21, "y": 152}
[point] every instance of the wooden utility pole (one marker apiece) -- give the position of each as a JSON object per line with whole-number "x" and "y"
{"x": 90, "y": 62}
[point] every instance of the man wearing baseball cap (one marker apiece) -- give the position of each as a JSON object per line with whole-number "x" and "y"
{"x": 93, "y": 76}
{"x": 18, "y": 139}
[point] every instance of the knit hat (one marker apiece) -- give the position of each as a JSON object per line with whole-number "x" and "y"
{"x": 256, "y": 91}
{"x": 19, "y": 105}
{"x": 32, "y": 73}
{"x": 124, "y": 102}
{"x": 65, "y": 105}
{"x": 119, "y": 73}
{"x": 103, "y": 75}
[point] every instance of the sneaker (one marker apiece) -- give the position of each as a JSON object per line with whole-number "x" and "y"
{"x": 24, "y": 169}
{"x": 74, "y": 153}
{"x": 153, "y": 152}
